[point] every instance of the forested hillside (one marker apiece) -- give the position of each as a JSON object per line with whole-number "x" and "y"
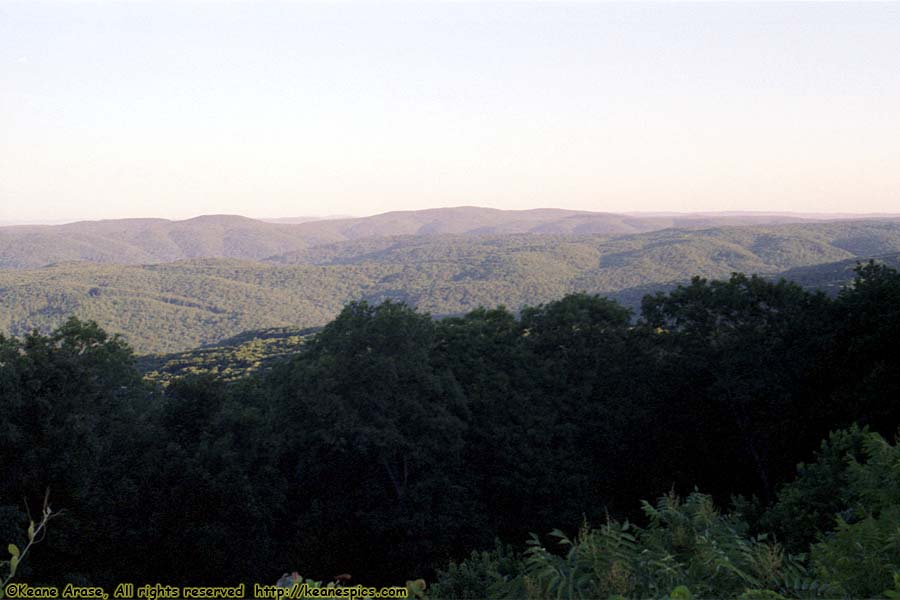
{"x": 254, "y": 350}
{"x": 832, "y": 277}
{"x": 136, "y": 241}
{"x": 394, "y": 446}
{"x": 141, "y": 241}
{"x": 176, "y": 306}
{"x": 488, "y": 221}
{"x": 251, "y": 352}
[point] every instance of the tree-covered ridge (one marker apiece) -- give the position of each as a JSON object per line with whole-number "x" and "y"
{"x": 772, "y": 246}
{"x": 140, "y": 241}
{"x": 137, "y": 241}
{"x": 175, "y": 306}
{"x": 832, "y": 277}
{"x": 394, "y": 444}
{"x": 172, "y": 307}
{"x": 255, "y": 349}
{"x": 232, "y": 359}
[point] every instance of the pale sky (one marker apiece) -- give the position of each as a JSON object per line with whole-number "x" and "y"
{"x": 126, "y": 109}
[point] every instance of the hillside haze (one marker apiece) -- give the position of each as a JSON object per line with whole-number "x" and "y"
{"x": 138, "y": 241}
{"x": 292, "y": 281}
{"x": 143, "y": 241}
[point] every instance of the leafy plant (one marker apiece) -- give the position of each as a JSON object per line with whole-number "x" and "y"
{"x": 35, "y": 534}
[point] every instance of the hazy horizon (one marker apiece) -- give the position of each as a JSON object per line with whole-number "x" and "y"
{"x": 280, "y": 110}
{"x": 286, "y": 219}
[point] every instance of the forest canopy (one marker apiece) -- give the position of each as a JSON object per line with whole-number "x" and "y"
{"x": 394, "y": 446}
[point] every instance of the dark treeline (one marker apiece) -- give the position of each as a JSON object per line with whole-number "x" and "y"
{"x": 394, "y": 443}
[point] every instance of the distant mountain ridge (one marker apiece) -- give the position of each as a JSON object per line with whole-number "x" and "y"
{"x": 143, "y": 241}
{"x": 147, "y": 241}
{"x": 179, "y": 305}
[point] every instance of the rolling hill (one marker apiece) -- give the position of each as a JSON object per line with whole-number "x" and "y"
{"x": 179, "y": 305}
{"x": 831, "y": 277}
{"x": 257, "y": 350}
{"x": 137, "y": 241}
{"x": 487, "y": 221}
{"x": 143, "y": 241}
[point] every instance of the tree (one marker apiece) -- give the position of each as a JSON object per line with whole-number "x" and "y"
{"x": 751, "y": 351}
{"x": 69, "y": 403}
{"x": 375, "y": 446}
{"x": 866, "y": 357}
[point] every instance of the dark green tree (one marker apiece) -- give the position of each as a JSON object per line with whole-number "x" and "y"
{"x": 375, "y": 447}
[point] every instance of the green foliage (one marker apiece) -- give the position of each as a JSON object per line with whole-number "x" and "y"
{"x": 176, "y": 306}
{"x": 389, "y": 444}
{"x": 862, "y": 554}
{"x": 868, "y": 361}
{"x": 846, "y": 505}
{"x": 684, "y": 544}
{"x": 376, "y": 412}
{"x": 34, "y": 534}
{"x": 688, "y": 548}
{"x": 233, "y": 359}
{"x": 482, "y": 573}
{"x": 807, "y": 506}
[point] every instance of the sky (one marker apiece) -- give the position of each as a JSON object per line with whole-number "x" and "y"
{"x": 114, "y": 109}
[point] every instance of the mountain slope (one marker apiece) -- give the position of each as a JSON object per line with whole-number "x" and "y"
{"x": 143, "y": 241}
{"x": 135, "y": 241}
{"x": 487, "y": 221}
{"x": 175, "y": 306}
{"x": 251, "y": 352}
{"x": 258, "y": 350}
{"x": 831, "y": 277}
